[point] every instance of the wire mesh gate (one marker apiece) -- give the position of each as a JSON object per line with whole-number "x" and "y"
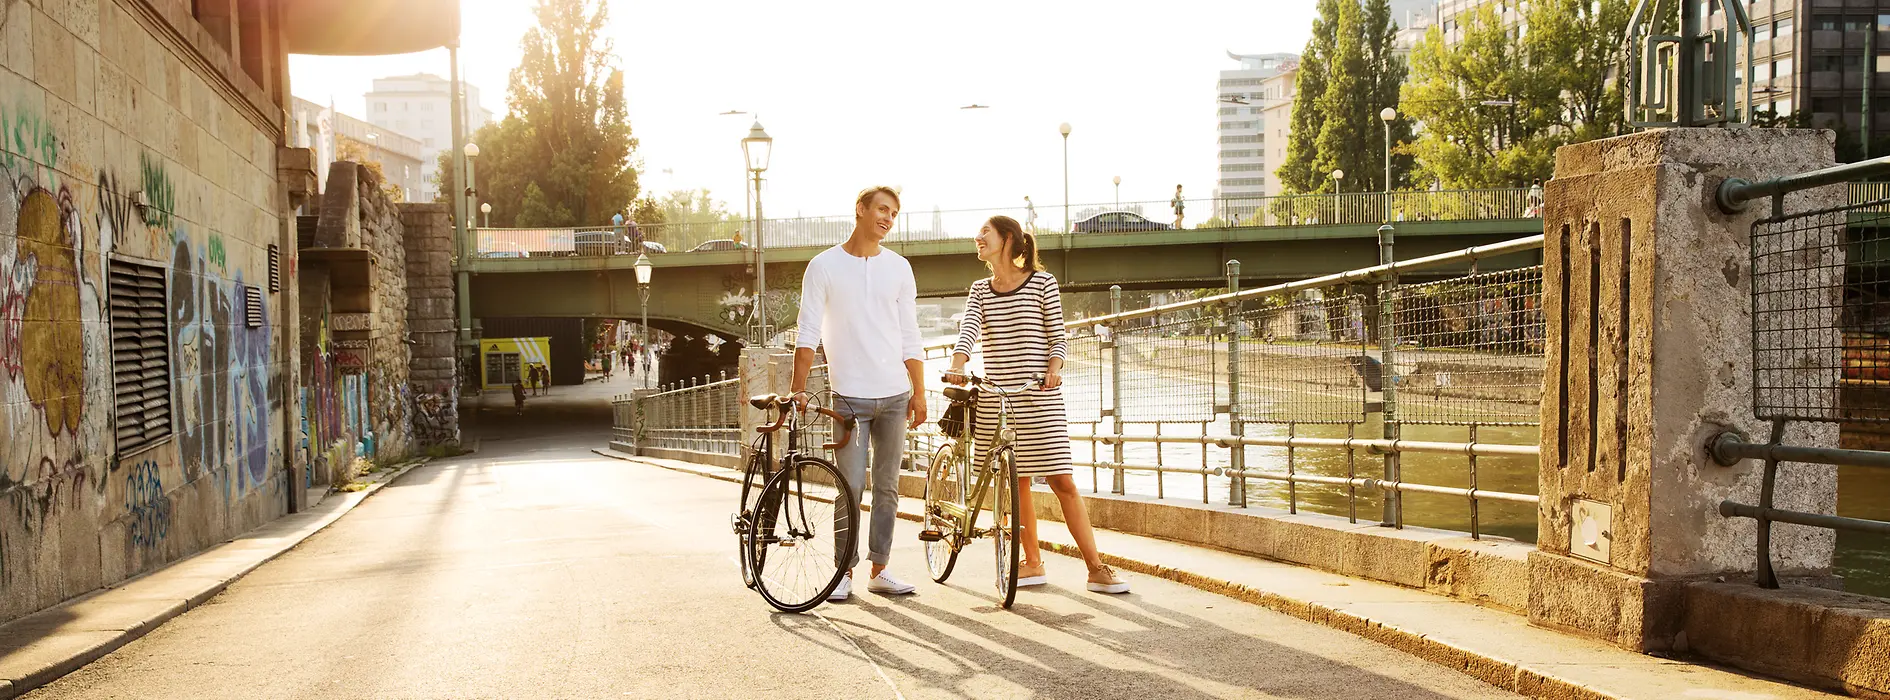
{"x": 1820, "y": 290}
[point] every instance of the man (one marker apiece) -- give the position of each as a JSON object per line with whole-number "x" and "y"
{"x": 859, "y": 300}
{"x": 1178, "y": 203}
{"x": 1030, "y": 215}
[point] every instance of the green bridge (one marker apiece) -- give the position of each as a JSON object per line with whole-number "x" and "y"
{"x": 696, "y": 290}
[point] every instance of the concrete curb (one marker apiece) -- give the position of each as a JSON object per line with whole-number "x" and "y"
{"x": 1557, "y": 681}
{"x": 42, "y": 647}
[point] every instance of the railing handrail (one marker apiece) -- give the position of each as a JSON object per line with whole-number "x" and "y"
{"x": 1362, "y": 274}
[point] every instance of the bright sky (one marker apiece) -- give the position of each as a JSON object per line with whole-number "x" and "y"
{"x": 861, "y": 93}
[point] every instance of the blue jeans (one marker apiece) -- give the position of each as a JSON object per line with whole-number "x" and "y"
{"x": 882, "y": 423}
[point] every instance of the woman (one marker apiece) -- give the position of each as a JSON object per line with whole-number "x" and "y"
{"x": 1018, "y": 314}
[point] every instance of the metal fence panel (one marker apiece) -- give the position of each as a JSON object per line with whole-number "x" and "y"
{"x": 1304, "y": 361}
{"x": 1171, "y": 368}
{"x": 1821, "y": 314}
{"x": 1471, "y": 349}
{"x": 1086, "y": 372}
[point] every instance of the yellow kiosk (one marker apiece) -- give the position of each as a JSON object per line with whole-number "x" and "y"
{"x": 504, "y": 359}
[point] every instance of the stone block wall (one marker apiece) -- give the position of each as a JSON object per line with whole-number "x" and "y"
{"x": 129, "y": 141}
{"x": 390, "y": 400}
{"x": 427, "y": 231}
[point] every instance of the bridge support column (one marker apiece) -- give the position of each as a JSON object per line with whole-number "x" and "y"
{"x": 1647, "y": 294}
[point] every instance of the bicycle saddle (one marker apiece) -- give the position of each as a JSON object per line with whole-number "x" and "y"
{"x": 960, "y": 394}
{"x": 765, "y": 401}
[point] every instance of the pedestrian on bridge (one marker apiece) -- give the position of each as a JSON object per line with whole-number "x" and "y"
{"x": 1016, "y": 316}
{"x": 1178, "y": 203}
{"x": 860, "y": 301}
{"x": 1030, "y": 215}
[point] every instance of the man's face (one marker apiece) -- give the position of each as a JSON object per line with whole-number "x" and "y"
{"x": 879, "y": 215}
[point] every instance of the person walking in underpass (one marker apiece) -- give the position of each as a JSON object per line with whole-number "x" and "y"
{"x": 860, "y": 302}
{"x": 1016, "y": 316}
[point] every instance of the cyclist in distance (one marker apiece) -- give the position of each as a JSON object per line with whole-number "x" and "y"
{"x": 1017, "y": 315}
{"x": 859, "y": 300}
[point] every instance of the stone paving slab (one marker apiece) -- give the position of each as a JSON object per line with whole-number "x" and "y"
{"x": 1497, "y": 647}
{"x": 39, "y": 648}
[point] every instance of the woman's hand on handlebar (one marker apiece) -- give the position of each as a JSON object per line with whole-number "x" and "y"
{"x": 1050, "y": 380}
{"x": 956, "y": 375}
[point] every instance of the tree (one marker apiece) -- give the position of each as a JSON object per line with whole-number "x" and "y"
{"x": 352, "y": 150}
{"x": 564, "y": 157}
{"x": 1577, "y": 43}
{"x": 1350, "y": 70}
{"x": 1467, "y": 141}
{"x": 1298, "y": 173}
{"x": 1497, "y": 104}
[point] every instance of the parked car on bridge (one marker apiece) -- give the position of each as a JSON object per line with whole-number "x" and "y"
{"x": 1116, "y": 221}
{"x": 613, "y": 241}
{"x": 719, "y": 244}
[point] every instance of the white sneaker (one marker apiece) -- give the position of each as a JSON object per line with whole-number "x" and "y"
{"x": 885, "y": 583}
{"x": 844, "y": 590}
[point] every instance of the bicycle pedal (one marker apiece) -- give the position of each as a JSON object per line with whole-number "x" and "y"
{"x": 931, "y": 536}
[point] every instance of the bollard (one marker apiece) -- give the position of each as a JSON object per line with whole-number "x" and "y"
{"x": 1236, "y": 456}
{"x": 1117, "y": 484}
{"x": 1388, "y": 375}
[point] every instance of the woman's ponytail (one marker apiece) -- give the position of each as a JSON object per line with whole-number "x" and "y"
{"x": 1023, "y": 244}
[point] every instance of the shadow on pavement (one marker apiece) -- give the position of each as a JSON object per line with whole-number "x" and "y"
{"x": 1126, "y": 625}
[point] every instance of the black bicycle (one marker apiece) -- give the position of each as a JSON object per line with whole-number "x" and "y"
{"x": 798, "y": 520}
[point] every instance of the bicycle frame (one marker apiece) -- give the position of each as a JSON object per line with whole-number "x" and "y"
{"x": 972, "y": 502}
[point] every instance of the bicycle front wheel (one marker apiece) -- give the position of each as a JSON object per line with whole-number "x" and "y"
{"x": 1006, "y": 525}
{"x": 805, "y": 533}
{"x": 942, "y": 487}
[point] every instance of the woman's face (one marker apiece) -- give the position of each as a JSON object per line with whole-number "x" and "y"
{"x": 990, "y": 244}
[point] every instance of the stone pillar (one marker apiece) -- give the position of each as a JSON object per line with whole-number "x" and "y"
{"x": 1647, "y": 294}
{"x": 762, "y": 371}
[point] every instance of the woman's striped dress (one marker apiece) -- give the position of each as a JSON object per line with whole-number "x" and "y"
{"x": 1021, "y": 330}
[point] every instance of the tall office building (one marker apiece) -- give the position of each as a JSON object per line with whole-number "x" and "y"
{"x": 418, "y": 105}
{"x": 1241, "y": 102}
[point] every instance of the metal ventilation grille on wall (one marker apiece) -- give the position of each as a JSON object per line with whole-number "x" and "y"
{"x": 253, "y": 306}
{"x": 275, "y": 268}
{"x": 141, "y": 359}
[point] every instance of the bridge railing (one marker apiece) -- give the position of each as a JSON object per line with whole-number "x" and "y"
{"x": 697, "y": 415}
{"x": 917, "y": 225}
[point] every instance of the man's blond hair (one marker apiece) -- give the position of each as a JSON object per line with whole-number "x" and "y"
{"x": 866, "y": 196}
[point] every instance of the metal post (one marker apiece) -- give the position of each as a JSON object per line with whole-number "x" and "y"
{"x": 1870, "y": 76}
{"x": 1237, "y": 457}
{"x": 463, "y": 246}
{"x": 1388, "y": 374}
{"x": 1387, "y": 172}
{"x": 761, "y": 269}
{"x": 1066, "y": 197}
{"x": 649, "y": 358}
{"x": 1117, "y": 483}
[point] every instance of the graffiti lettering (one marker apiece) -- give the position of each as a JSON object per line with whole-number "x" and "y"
{"x": 158, "y": 189}
{"x": 146, "y": 505}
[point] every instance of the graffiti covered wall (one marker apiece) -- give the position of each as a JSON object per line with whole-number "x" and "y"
{"x": 132, "y": 161}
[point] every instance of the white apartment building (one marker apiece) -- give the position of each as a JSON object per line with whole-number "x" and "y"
{"x": 418, "y": 105}
{"x": 1276, "y": 120}
{"x": 401, "y": 157}
{"x": 1241, "y": 103}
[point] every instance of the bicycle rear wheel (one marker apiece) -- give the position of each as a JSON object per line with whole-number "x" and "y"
{"x": 753, "y": 480}
{"x": 1006, "y": 525}
{"x": 941, "y": 487}
{"x": 805, "y": 531}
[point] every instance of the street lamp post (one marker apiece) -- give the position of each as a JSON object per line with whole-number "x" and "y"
{"x": 757, "y": 149}
{"x": 1118, "y": 181}
{"x": 1338, "y": 176}
{"x": 486, "y": 209}
{"x": 472, "y": 193}
{"x": 1387, "y": 115}
{"x": 643, "y": 268}
{"x": 1064, "y": 129}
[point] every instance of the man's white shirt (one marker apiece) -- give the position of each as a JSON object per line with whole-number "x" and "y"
{"x": 865, "y": 311}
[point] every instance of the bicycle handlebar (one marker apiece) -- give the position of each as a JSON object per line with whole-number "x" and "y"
{"x": 785, "y": 405}
{"x": 1036, "y": 382}
{"x": 845, "y": 437}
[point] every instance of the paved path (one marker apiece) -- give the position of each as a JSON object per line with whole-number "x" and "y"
{"x": 536, "y": 569}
